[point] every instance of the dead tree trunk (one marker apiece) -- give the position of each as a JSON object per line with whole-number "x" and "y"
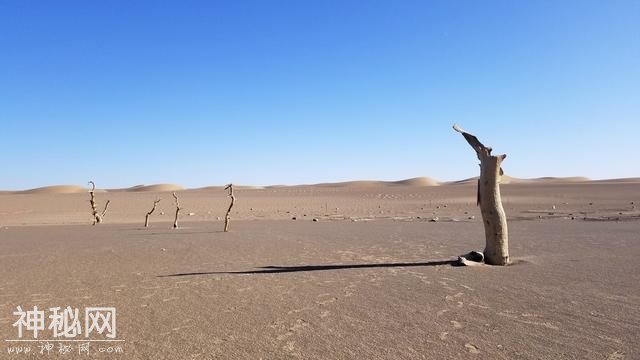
{"x": 92, "y": 201}
{"x": 97, "y": 217}
{"x": 227, "y": 217}
{"x": 496, "y": 250}
{"x": 178, "y": 208}
{"x": 146, "y": 218}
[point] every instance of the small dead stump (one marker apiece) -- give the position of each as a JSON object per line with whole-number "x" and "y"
{"x": 97, "y": 216}
{"x": 227, "y": 217}
{"x": 178, "y": 208}
{"x": 146, "y": 218}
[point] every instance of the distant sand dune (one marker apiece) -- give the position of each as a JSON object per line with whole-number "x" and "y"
{"x": 418, "y": 181}
{"x": 620, "y": 181}
{"x": 542, "y": 180}
{"x": 211, "y": 188}
{"x": 235, "y": 187}
{"x": 55, "y": 189}
{"x": 247, "y": 187}
{"x": 358, "y": 183}
{"x": 154, "y": 187}
{"x": 413, "y": 182}
{"x": 472, "y": 180}
{"x": 570, "y": 179}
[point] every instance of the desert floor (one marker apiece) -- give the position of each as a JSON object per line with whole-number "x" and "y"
{"x": 370, "y": 279}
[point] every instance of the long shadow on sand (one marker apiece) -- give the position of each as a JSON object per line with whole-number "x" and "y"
{"x": 303, "y": 268}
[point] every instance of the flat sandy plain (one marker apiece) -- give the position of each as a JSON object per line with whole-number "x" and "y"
{"x": 370, "y": 279}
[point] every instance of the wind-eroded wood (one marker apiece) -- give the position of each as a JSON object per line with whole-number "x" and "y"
{"x": 92, "y": 201}
{"x": 106, "y": 206}
{"x": 227, "y": 217}
{"x": 146, "y": 218}
{"x": 97, "y": 217}
{"x": 178, "y": 208}
{"x": 496, "y": 250}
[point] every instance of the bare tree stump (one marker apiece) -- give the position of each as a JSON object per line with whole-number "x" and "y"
{"x": 97, "y": 217}
{"x": 227, "y": 217}
{"x": 178, "y": 208}
{"x": 92, "y": 201}
{"x": 146, "y": 218}
{"x": 496, "y": 250}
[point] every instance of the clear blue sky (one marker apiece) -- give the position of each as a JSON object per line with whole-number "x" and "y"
{"x": 269, "y": 92}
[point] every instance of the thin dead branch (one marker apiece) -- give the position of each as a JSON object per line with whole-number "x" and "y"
{"x": 227, "y": 217}
{"x": 178, "y": 208}
{"x": 146, "y": 218}
{"x": 106, "y": 206}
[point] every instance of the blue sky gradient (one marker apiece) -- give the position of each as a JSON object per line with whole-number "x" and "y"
{"x": 284, "y": 92}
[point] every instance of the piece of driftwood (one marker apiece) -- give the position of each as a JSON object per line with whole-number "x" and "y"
{"x": 146, "y": 218}
{"x": 227, "y": 217}
{"x": 496, "y": 250}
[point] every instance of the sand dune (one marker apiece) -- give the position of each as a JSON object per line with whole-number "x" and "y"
{"x": 412, "y": 182}
{"x": 235, "y": 187}
{"x": 74, "y": 189}
{"x": 417, "y": 181}
{"x": 506, "y": 179}
{"x": 358, "y": 183}
{"x": 247, "y": 187}
{"x": 55, "y": 189}
{"x": 154, "y": 187}
{"x": 635, "y": 180}
{"x": 549, "y": 179}
{"x": 472, "y": 180}
{"x": 211, "y": 188}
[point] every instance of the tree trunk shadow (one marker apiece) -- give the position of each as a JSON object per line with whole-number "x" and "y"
{"x": 305, "y": 268}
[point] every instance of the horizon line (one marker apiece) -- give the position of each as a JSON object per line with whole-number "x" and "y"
{"x": 436, "y": 182}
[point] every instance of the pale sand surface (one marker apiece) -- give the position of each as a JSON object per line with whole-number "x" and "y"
{"x": 369, "y": 280}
